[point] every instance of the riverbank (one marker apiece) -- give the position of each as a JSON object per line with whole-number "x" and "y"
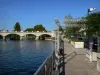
{"x": 76, "y": 62}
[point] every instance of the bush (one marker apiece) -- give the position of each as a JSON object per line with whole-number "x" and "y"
{"x": 75, "y": 40}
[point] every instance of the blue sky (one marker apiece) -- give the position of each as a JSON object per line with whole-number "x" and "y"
{"x": 31, "y": 12}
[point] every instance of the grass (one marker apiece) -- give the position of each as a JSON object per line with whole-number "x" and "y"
{"x": 75, "y": 40}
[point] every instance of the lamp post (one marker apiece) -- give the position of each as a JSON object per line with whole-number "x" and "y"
{"x": 59, "y": 50}
{"x": 90, "y": 39}
{"x": 57, "y": 33}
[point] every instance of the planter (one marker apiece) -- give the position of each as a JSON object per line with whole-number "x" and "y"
{"x": 77, "y": 44}
{"x": 94, "y": 56}
{"x": 98, "y": 62}
{"x": 91, "y": 55}
{"x": 73, "y": 43}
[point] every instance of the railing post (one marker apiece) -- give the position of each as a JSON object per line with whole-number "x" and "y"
{"x": 45, "y": 69}
{"x": 62, "y": 62}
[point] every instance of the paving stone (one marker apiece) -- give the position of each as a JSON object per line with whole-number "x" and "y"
{"x": 79, "y": 64}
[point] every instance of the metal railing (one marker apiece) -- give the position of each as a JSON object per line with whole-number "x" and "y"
{"x": 53, "y": 65}
{"x": 47, "y": 67}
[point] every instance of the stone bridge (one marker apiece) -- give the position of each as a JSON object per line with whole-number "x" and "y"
{"x": 22, "y": 34}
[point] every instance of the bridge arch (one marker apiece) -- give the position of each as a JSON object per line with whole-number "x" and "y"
{"x": 12, "y": 36}
{"x": 30, "y": 36}
{"x": 1, "y": 37}
{"x": 45, "y": 36}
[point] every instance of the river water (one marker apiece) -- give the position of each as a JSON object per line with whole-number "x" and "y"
{"x": 23, "y": 57}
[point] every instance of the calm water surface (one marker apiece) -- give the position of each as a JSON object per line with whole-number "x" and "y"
{"x": 23, "y": 57}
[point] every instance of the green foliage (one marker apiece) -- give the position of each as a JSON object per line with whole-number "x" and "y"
{"x": 93, "y": 24}
{"x": 84, "y": 17}
{"x": 72, "y": 27}
{"x": 68, "y": 16}
{"x": 39, "y": 28}
{"x": 17, "y": 27}
{"x": 29, "y": 29}
{"x": 75, "y": 40}
{"x": 61, "y": 29}
{"x": 72, "y": 30}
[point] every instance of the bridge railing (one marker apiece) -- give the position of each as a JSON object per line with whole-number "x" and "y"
{"x": 25, "y": 31}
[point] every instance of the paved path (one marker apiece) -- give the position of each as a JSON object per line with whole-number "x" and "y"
{"x": 77, "y": 63}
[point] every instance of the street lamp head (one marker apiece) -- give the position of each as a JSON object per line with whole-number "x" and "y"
{"x": 91, "y": 9}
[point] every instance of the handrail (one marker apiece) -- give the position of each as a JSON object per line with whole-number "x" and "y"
{"x": 54, "y": 63}
{"x": 42, "y": 68}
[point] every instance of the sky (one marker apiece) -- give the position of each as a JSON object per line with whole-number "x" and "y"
{"x": 32, "y": 12}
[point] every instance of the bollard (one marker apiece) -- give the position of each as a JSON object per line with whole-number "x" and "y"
{"x": 98, "y": 55}
{"x": 90, "y": 48}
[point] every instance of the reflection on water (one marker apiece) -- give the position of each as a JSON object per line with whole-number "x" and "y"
{"x": 37, "y": 45}
{"x": 23, "y": 57}
{"x": 3, "y": 44}
{"x": 21, "y": 44}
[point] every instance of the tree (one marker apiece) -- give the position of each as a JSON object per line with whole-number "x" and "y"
{"x": 72, "y": 31}
{"x": 17, "y": 27}
{"x": 61, "y": 29}
{"x": 72, "y": 26}
{"x": 39, "y": 28}
{"x": 93, "y": 24}
{"x": 29, "y": 29}
{"x": 67, "y": 20}
{"x": 68, "y": 16}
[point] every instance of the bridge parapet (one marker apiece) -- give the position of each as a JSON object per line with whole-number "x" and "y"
{"x": 52, "y": 34}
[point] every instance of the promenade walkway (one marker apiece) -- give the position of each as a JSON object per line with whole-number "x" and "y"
{"x": 77, "y": 63}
